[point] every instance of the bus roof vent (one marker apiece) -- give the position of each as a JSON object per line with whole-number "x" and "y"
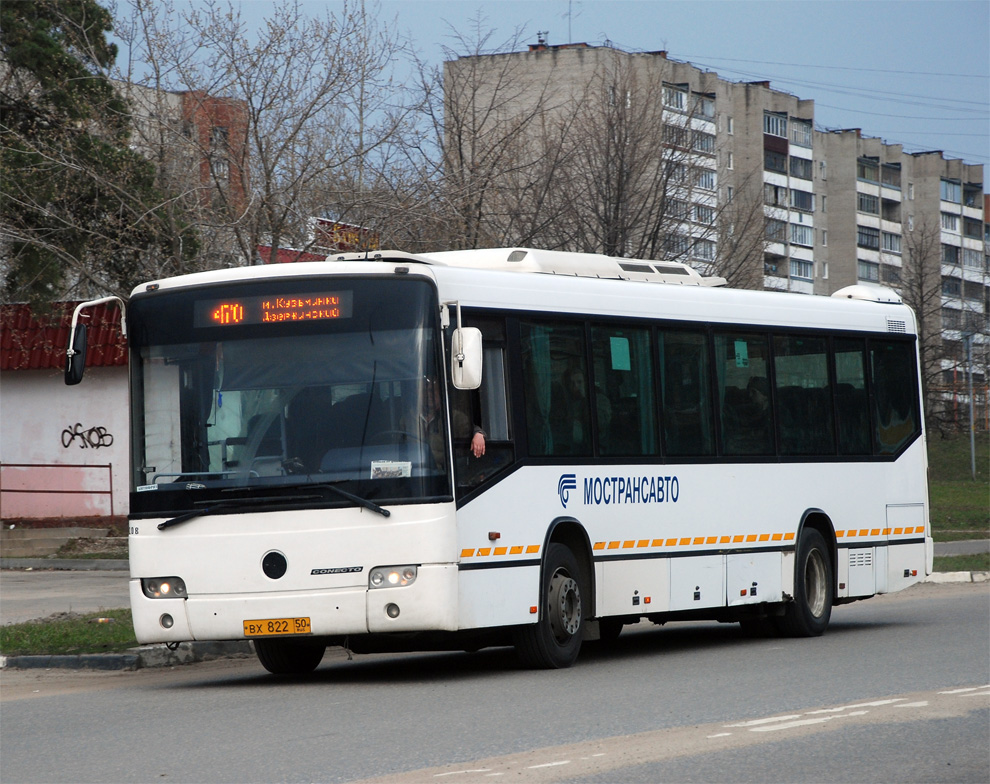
{"x": 896, "y": 325}
{"x": 584, "y": 265}
{"x": 870, "y": 292}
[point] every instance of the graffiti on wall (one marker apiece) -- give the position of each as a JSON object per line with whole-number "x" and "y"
{"x": 92, "y": 438}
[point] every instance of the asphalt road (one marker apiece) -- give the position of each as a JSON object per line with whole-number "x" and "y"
{"x": 896, "y": 690}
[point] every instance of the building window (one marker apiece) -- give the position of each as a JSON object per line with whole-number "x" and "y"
{"x": 674, "y": 98}
{"x": 729, "y": 161}
{"x": 729, "y": 125}
{"x": 950, "y": 222}
{"x": 972, "y": 290}
{"x": 706, "y": 179}
{"x": 867, "y": 270}
{"x": 775, "y": 161}
{"x": 704, "y": 214}
{"x": 950, "y": 255}
{"x": 972, "y": 258}
{"x": 868, "y": 237}
{"x": 951, "y": 318}
{"x": 951, "y": 191}
{"x": 705, "y": 107}
{"x": 972, "y": 196}
{"x": 890, "y": 210}
{"x": 911, "y": 191}
{"x": 802, "y": 200}
{"x": 801, "y": 132}
{"x": 802, "y": 168}
{"x": 891, "y": 275}
{"x": 704, "y": 250}
{"x": 825, "y": 240}
{"x": 822, "y": 170}
{"x": 890, "y": 175}
{"x": 675, "y": 136}
{"x": 867, "y": 170}
{"x": 803, "y": 270}
{"x": 774, "y": 195}
{"x": 972, "y": 228}
{"x": 802, "y": 235}
{"x": 704, "y": 142}
{"x": 775, "y": 124}
{"x": 677, "y": 245}
{"x": 867, "y": 203}
{"x": 951, "y": 287}
{"x": 729, "y": 192}
{"x": 776, "y": 230}
{"x": 891, "y": 242}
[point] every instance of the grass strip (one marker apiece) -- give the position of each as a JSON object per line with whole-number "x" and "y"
{"x": 108, "y": 631}
{"x": 977, "y": 562}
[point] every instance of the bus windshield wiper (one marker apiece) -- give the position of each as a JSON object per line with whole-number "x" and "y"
{"x": 351, "y": 497}
{"x": 207, "y": 508}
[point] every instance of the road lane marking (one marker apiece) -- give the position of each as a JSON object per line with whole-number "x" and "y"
{"x": 963, "y": 691}
{"x": 720, "y": 735}
{"x": 459, "y": 772}
{"x": 548, "y": 765}
{"x": 920, "y": 704}
{"x": 804, "y": 722}
{"x": 757, "y": 722}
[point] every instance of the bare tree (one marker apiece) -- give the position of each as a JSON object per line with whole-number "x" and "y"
{"x": 307, "y": 107}
{"x": 482, "y": 115}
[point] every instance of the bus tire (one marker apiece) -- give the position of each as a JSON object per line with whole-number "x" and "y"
{"x": 288, "y": 656}
{"x": 809, "y": 613}
{"x": 554, "y": 641}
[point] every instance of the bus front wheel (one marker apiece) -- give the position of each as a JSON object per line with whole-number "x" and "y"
{"x": 289, "y": 656}
{"x": 809, "y": 613}
{"x": 554, "y": 641}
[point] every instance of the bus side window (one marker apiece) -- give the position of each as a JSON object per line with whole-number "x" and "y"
{"x": 852, "y": 404}
{"x": 555, "y": 381}
{"x": 624, "y": 394}
{"x": 894, "y": 394}
{"x": 685, "y": 392}
{"x": 741, "y": 364}
{"x": 804, "y": 397}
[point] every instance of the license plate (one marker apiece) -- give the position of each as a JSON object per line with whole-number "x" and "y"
{"x": 277, "y": 627}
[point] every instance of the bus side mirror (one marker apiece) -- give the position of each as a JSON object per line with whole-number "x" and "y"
{"x": 465, "y": 358}
{"x": 75, "y": 356}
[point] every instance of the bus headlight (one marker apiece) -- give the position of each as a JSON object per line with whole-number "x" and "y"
{"x": 164, "y": 587}
{"x": 392, "y": 576}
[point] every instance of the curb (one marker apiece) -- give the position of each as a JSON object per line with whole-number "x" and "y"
{"x": 143, "y": 657}
{"x": 941, "y": 578}
{"x": 67, "y": 564}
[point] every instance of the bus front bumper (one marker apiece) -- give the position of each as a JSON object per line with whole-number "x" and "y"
{"x": 428, "y": 604}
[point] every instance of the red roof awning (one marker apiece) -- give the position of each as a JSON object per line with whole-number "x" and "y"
{"x": 30, "y": 342}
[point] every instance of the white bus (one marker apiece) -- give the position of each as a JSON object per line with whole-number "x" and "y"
{"x": 656, "y": 446}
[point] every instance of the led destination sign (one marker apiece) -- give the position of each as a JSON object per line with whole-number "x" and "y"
{"x": 273, "y": 309}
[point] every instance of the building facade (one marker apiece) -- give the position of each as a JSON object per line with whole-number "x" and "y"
{"x": 830, "y": 208}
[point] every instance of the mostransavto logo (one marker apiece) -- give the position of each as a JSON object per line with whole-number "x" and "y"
{"x": 567, "y": 483}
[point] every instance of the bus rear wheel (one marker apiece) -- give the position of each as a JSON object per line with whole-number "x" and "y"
{"x": 809, "y": 613}
{"x": 288, "y": 656}
{"x": 554, "y": 641}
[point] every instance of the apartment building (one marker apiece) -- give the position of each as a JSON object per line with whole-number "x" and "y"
{"x": 835, "y": 208}
{"x": 198, "y": 141}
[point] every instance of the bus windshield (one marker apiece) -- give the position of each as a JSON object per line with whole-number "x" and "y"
{"x": 270, "y": 387}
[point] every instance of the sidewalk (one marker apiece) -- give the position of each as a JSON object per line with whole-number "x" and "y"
{"x": 37, "y": 591}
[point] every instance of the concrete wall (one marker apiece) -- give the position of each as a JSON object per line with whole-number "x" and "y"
{"x": 63, "y": 450}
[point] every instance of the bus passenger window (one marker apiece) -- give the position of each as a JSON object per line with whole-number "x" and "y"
{"x": 895, "y": 392}
{"x": 852, "y": 405}
{"x": 555, "y": 380}
{"x": 804, "y": 398}
{"x": 686, "y": 394}
{"x": 624, "y": 406}
{"x": 741, "y": 364}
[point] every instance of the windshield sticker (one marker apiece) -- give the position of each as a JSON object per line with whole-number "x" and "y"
{"x": 145, "y": 488}
{"x": 390, "y": 469}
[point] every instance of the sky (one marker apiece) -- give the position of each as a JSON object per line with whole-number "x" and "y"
{"x": 912, "y": 72}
